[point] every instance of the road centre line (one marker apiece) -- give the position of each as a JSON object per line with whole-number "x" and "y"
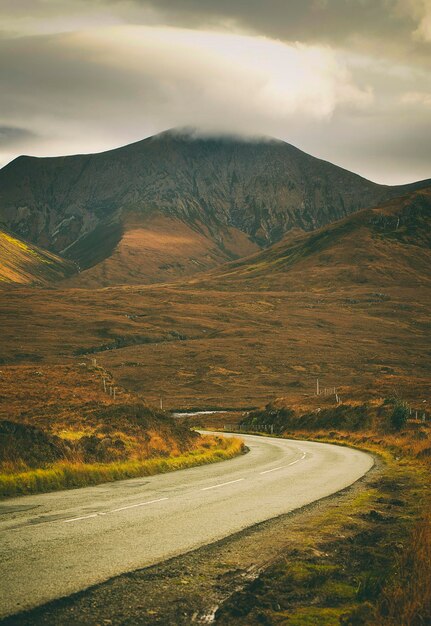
{"x": 122, "y": 508}
{"x": 282, "y": 466}
{"x": 133, "y": 506}
{"x": 77, "y": 519}
{"x": 272, "y": 470}
{"x": 139, "y": 504}
{"x": 230, "y": 482}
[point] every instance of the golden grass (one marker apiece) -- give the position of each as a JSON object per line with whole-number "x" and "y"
{"x": 68, "y": 475}
{"x": 407, "y": 600}
{"x": 26, "y": 264}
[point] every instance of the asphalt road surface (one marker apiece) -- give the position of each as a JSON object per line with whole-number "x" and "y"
{"x": 52, "y": 545}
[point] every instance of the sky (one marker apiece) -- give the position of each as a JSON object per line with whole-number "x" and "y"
{"x": 348, "y": 81}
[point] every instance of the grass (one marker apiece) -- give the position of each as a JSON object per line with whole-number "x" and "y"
{"x": 341, "y": 564}
{"x": 374, "y": 559}
{"x": 68, "y": 475}
{"x": 59, "y": 430}
{"x": 407, "y": 599}
{"x": 24, "y": 263}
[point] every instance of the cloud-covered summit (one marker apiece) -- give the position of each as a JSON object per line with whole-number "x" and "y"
{"x": 345, "y": 80}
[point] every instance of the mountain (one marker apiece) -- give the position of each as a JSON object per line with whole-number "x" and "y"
{"x": 222, "y": 196}
{"x": 25, "y": 263}
{"x": 387, "y": 245}
{"x": 154, "y": 249}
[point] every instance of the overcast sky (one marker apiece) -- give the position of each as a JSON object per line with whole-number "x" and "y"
{"x": 345, "y": 80}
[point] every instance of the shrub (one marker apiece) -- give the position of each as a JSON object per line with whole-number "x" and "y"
{"x": 399, "y": 415}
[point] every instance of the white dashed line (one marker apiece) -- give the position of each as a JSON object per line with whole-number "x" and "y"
{"x": 222, "y": 484}
{"x": 122, "y": 508}
{"x": 133, "y": 506}
{"x": 272, "y": 470}
{"x": 282, "y": 466}
{"x": 77, "y": 519}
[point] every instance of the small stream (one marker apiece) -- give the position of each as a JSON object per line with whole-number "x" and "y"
{"x": 195, "y": 413}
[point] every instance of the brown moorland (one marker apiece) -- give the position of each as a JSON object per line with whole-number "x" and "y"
{"x": 71, "y": 425}
{"x": 348, "y": 303}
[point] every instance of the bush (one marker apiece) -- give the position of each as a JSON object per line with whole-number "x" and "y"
{"x": 399, "y": 415}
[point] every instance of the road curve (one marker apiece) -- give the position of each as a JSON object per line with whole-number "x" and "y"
{"x": 55, "y": 544}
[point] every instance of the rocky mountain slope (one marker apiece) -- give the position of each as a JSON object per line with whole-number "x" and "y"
{"x": 387, "y": 245}
{"x": 234, "y": 193}
{"x": 27, "y": 264}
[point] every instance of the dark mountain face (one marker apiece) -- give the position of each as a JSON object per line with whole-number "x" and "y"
{"x": 262, "y": 188}
{"x": 387, "y": 245}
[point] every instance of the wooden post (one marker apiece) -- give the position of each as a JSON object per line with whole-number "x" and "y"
{"x": 104, "y": 384}
{"x": 161, "y": 403}
{"x": 317, "y": 387}
{"x": 113, "y": 392}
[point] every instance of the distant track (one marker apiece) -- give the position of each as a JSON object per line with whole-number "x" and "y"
{"x": 55, "y": 544}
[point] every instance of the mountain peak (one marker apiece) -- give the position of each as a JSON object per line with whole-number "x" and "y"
{"x": 236, "y": 192}
{"x": 191, "y": 133}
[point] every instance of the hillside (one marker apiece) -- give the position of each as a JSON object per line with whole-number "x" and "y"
{"x": 153, "y": 250}
{"x": 27, "y": 264}
{"x": 383, "y": 246}
{"x": 348, "y": 303}
{"x": 226, "y": 196}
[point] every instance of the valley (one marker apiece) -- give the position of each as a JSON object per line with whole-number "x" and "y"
{"x": 135, "y": 314}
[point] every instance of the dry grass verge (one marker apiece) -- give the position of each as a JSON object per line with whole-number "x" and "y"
{"x": 68, "y": 475}
{"x": 372, "y": 565}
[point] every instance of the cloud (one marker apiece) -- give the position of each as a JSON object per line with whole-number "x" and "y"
{"x": 124, "y": 76}
{"x": 417, "y": 97}
{"x": 392, "y": 28}
{"x": 397, "y": 29}
{"x": 13, "y": 136}
{"x": 420, "y": 12}
{"x": 320, "y": 75}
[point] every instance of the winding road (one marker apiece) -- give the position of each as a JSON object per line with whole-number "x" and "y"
{"x": 52, "y": 545}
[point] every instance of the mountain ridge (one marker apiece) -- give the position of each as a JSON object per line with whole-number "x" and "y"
{"x": 257, "y": 189}
{"x": 387, "y": 244}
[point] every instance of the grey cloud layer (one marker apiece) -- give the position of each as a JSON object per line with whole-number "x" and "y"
{"x": 400, "y": 28}
{"x": 75, "y": 88}
{"x": 14, "y": 136}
